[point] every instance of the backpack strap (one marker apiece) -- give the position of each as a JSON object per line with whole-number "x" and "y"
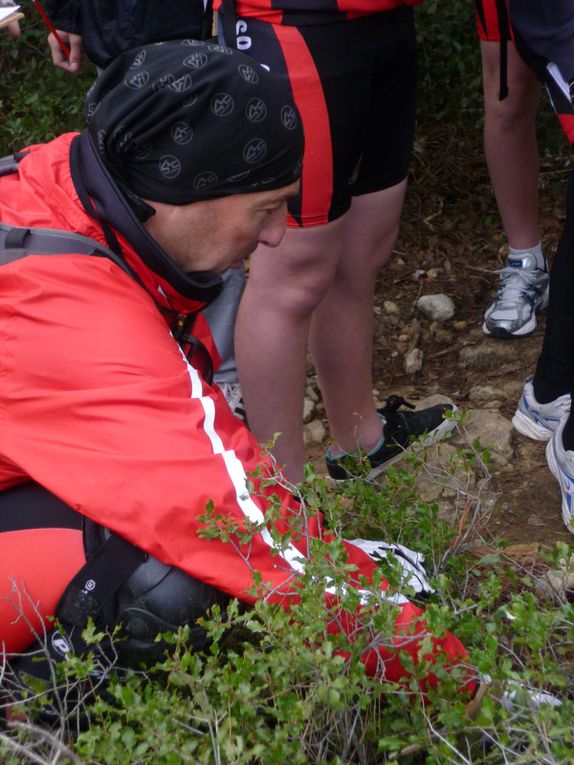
{"x": 16, "y": 242}
{"x": 9, "y": 164}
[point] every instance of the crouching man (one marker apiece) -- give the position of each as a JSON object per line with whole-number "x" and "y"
{"x": 113, "y": 441}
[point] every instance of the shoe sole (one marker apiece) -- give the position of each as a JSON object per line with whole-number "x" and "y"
{"x": 430, "y": 439}
{"x": 556, "y": 472}
{"x": 503, "y": 334}
{"x": 527, "y": 427}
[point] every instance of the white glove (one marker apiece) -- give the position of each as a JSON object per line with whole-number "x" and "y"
{"x": 414, "y": 573}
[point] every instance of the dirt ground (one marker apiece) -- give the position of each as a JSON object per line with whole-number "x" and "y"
{"x": 451, "y": 241}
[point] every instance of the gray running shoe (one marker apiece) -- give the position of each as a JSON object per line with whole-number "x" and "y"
{"x": 539, "y": 421}
{"x": 522, "y": 293}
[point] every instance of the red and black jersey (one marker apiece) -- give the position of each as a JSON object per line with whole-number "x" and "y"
{"x": 301, "y": 12}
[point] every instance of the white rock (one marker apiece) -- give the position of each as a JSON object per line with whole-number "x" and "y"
{"x": 311, "y": 393}
{"x": 494, "y": 432}
{"x": 414, "y": 361}
{"x": 484, "y": 393}
{"x": 314, "y": 433}
{"x": 390, "y": 308}
{"x": 308, "y": 410}
{"x": 437, "y": 307}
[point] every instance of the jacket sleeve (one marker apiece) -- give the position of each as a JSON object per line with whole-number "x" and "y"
{"x": 65, "y": 15}
{"x": 99, "y": 406}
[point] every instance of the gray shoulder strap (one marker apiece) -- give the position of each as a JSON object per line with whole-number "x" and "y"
{"x": 17, "y": 242}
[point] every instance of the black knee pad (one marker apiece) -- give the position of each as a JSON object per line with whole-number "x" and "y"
{"x": 159, "y": 598}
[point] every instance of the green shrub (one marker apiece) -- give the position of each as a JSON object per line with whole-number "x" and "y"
{"x": 37, "y": 101}
{"x": 274, "y": 688}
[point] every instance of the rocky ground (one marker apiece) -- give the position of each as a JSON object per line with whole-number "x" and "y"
{"x": 450, "y": 243}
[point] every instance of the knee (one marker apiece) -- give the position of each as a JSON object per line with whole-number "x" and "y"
{"x": 297, "y": 295}
{"x": 516, "y": 112}
{"x": 159, "y": 599}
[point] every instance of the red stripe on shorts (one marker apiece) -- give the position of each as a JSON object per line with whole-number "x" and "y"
{"x": 490, "y": 32}
{"x": 317, "y": 177}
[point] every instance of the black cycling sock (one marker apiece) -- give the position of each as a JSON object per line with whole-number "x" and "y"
{"x": 546, "y": 390}
{"x": 568, "y": 434}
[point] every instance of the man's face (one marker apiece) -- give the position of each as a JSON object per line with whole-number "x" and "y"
{"x": 218, "y": 234}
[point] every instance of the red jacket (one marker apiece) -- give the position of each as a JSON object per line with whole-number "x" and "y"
{"x": 99, "y": 406}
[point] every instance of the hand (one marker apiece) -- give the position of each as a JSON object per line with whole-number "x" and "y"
{"x": 14, "y": 28}
{"x": 74, "y": 43}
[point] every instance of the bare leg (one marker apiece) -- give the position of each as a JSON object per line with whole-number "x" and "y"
{"x": 285, "y": 286}
{"x": 510, "y": 144}
{"x": 341, "y": 337}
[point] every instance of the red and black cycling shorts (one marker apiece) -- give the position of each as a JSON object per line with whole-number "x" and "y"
{"x": 354, "y": 84}
{"x": 41, "y": 550}
{"x": 493, "y": 21}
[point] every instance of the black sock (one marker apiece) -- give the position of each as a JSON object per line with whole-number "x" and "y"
{"x": 546, "y": 390}
{"x": 568, "y": 435}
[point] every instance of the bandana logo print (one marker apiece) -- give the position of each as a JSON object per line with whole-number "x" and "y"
{"x": 143, "y": 152}
{"x": 137, "y": 81}
{"x": 238, "y": 177}
{"x": 125, "y": 142}
{"x": 248, "y": 73}
{"x": 220, "y": 49}
{"x": 102, "y": 135}
{"x": 256, "y": 110}
{"x": 139, "y": 59}
{"x": 169, "y": 166}
{"x": 92, "y": 108}
{"x": 204, "y": 180}
{"x": 196, "y": 61}
{"x": 191, "y": 42}
{"x": 181, "y": 84}
{"x": 222, "y": 104}
{"x": 182, "y": 133}
{"x": 289, "y": 117}
{"x": 254, "y": 150}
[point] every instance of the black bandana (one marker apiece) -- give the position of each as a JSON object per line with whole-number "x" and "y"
{"x": 181, "y": 121}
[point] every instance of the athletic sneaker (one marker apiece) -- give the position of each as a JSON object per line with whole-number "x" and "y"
{"x": 399, "y": 430}
{"x": 522, "y": 293}
{"x": 513, "y": 695}
{"x": 234, "y": 398}
{"x": 539, "y": 421}
{"x": 561, "y": 464}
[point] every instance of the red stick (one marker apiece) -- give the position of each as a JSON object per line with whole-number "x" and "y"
{"x": 65, "y": 50}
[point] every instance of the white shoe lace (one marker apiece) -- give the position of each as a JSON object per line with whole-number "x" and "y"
{"x": 514, "y": 283}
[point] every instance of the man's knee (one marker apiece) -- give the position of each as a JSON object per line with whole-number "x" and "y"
{"x": 160, "y": 599}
